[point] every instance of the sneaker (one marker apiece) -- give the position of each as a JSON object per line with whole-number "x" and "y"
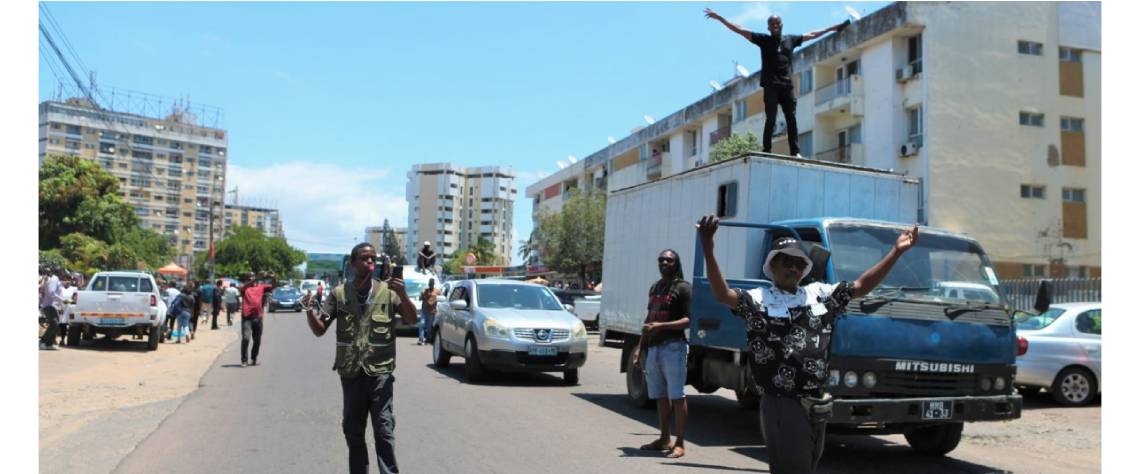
{"x": 43, "y": 347}
{"x": 254, "y": 362}
{"x": 799, "y": 155}
{"x": 243, "y": 363}
{"x": 419, "y": 343}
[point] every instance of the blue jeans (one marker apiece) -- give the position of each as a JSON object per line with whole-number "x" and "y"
{"x": 665, "y": 369}
{"x": 425, "y": 322}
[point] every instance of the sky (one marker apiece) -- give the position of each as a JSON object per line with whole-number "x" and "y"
{"x": 329, "y": 105}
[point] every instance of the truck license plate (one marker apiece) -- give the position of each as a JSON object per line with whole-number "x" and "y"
{"x": 937, "y": 410}
{"x": 113, "y": 321}
{"x": 542, "y": 351}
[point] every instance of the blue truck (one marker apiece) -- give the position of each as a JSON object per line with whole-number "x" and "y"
{"x": 909, "y": 358}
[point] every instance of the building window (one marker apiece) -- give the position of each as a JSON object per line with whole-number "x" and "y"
{"x": 1070, "y": 124}
{"x": 1031, "y": 191}
{"x": 74, "y": 130}
{"x": 914, "y": 125}
{"x": 1072, "y": 141}
{"x": 726, "y": 200}
{"x": 142, "y": 140}
{"x": 806, "y": 82}
{"x": 1031, "y": 271}
{"x": 1072, "y": 195}
{"x": 739, "y": 111}
{"x": 914, "y": 53}
{"x": 1070, "y": 55}
{"x": 108, "y": 148}
{"x": 1031, "y": 48}
{"x": 1031, "y": 119}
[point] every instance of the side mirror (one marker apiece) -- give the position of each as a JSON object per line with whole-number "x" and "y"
{"x": 459, "y": 305}
{"x": 569, "y": 307}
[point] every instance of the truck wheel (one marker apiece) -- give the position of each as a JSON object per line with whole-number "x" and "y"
{"x": 73, "y": 334}
{"x": 439, "y": 356}
{"x": 570, "y": 377}
{"x": 635, "y": 386}
{"x": 472, "y": 367}
{"x": 152, "y": 338}
{"x": 1074, "y": 386}
{"x": 935, "y": 440}
{"x": 747, "y": 401}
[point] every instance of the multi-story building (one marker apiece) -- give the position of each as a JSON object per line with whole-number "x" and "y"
{"x": 453, "y": 207}
{"x": 263, "y": 218}
{"x": 171, "y": 170}
{"x": 375, "y": 236}
{"x": 995, "y": 106}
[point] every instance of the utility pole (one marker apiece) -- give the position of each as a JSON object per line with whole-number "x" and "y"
{"x": 212, "y": 276}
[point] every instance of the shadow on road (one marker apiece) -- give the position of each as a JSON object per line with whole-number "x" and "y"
{"x": 1044, "y": 399}
{"x": 713, "y": 420}
{"x": 503, "y": 379}
{"x": 122, "y": 344}
{"x": 712, "y": 467}
{"x": 869, "y": 454}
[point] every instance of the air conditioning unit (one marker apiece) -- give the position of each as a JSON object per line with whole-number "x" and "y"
{"x": 904, "y": 74}
{"x": 908, "y": 149}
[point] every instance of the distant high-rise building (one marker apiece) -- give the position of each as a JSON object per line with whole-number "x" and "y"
{"x": 375, "y": 236}
{"x": 453, "y": 207}
{"x": 266, "y": 219}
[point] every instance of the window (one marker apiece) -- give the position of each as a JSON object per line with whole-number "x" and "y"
{"x": 175, "y": 145}
{"x": 739, "y": 111}
{"x": 1032, "y": 191}
{"x": 805, "y": 144}
{"x": 1031, "y": 48}
{"x": 1088, "y": 322}
{"x": 806, "y": 82}
{"x": 1070, "y": 124}
{"x": 142, "y": 140}
{"x": 914, "y": 125}
{"x": 1070, "y": 55}
{"x": 74, "y": 130}
{"x": 1072, "y": 195}
{"x": 1031, "y": 119}
{"x": 100, "y": 284}
{"x": 914, "y": 52}
{"x": 726, "y": 200}
{"x": 1031, "y": 270}
{"x": 108, "y": 148}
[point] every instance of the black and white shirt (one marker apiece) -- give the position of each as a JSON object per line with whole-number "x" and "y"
{"x": 789, "y": 335}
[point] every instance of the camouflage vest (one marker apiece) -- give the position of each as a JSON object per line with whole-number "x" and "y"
{"x": 365, "y": 341}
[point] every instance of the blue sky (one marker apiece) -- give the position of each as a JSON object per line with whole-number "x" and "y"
{"x": 328, "y": 105}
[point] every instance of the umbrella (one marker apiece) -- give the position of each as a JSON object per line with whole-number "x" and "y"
{"x": 172, "y": 269}
{"x": 1043, "y": 300}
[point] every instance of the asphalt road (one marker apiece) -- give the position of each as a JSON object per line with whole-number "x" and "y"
{"x": 284, "y": 416}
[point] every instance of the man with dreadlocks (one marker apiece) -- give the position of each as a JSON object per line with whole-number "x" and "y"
{"x": 666, "y": 351}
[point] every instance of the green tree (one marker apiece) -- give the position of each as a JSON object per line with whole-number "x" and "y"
{"x": 85, "y": 253}
{"x": 734, "y": 146}
{"x": 78, "y": 195}
{"x": 527, "y": 248}
{"x": 573, "y": 238}
{"x": 484, "y": 251}
{"x": 391, "y": 246}
{"x": 248, "y": 249}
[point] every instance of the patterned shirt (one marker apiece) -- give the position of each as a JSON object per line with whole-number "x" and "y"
{"x": 789, "y": 335}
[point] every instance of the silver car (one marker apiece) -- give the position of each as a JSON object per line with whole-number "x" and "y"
{"x": 508, "y": 325}
{"x": 1063, "y": 353}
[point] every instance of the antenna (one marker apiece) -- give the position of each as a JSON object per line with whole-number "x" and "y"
{"x": 715, "y": 85}
{"x": 573, "y": 159}
{"x": 740, "y": 69}
{"x": 648, "y": 119}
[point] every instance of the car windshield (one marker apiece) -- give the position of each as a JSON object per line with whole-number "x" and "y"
{"x": 937, "y": 268}
{"x": 1038, "y": 321}
{"x": 415, "y": 287}
{"x": 517, "y": 297}
{"x": 286, "y": 293}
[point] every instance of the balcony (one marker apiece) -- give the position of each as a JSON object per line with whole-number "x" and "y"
{"x": 843, "y": 97}
{"x": 850, "y": 154}
{"x": 718, "y": 135}
{"x": 653, "y": 166}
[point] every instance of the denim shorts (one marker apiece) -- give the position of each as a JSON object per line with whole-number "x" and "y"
{"x": 665, "y": 369}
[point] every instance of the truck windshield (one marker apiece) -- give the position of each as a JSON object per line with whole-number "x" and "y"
{"x": 938, "y": 268}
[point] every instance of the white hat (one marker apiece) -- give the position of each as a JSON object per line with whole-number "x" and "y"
{"x": 788, "y": 246}
{"x": 427, "y": 243}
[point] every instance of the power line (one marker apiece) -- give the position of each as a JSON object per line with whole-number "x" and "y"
{"x": 63, "y": 37}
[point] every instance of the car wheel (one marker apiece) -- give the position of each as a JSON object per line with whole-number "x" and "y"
{"x": 472, "y": 367}
{"x": 153, "y": 337}
{"x": 73, "y": 334}
{"x": 1074, "y": 386}
{"x": 439, "y": 356}
{"x": 746, "y": 400}
{"x": 935, "y": 440}
{"x": 635, "y": 386}
{"x": 570, "y": 377}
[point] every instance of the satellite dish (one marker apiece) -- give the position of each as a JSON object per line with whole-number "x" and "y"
{"x": 561, "y": 164}
{"x": 740, "y": 69}
{"x": 573, "y": 159}
{"x": 649, "y": 119}
{"x": 612, "y": 140}
{"x": 715, "y": 85}
{"x": 851, "y": 11}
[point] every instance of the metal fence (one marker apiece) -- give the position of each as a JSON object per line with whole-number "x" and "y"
{"x": 1023, "y": 293}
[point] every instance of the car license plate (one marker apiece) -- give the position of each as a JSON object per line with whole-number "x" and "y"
{"x": 113, "y": 321}
{"x": 542, "y": 351}
{"x": 937, "y": 410}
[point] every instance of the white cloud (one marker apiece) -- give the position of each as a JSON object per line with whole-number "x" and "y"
{"x": 324, "y": 207}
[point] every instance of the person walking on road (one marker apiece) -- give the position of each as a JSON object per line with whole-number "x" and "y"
{"x": 320, "y": 292}
{"x": 216, "y": 304}
{"x": 230, "y": 298}
{"x": 427, "y": 311}
{"x": 182, "y": 305}
{"x": 776, "y": 72}
{"x": 664, "y": 352}
{"x": 252, "y": 310}
{"x": 68, "y": 294}
{"x": 789, "y": 335}
{"x": 205, "y": 302}
{"x": 51, "y": 302}
{"x": 365, "y": 312}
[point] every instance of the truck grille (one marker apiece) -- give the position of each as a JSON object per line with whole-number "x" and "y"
{"x": 926, "y": 384}
{"x": 556, "y": 335}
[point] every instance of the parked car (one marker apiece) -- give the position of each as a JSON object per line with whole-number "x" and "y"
{"x": 285, "y": 297}
{"x": 117, "y": 303}
{"x": 508, "y": 325}
{"x": 1060, "y": 352}
{"x": 311, "y": 285}
{"x": 962, "y": 290}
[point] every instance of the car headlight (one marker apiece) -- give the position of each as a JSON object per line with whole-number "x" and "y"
{"x": 833, "y": 378}
{"x": 999, "y": 384}
{"x": 869, "y": 380}
{"x": 986, "y": 384}
{"x": 493, "y": 329}
{"x": 850, "y": 379}
{"x": 579, "y": 331}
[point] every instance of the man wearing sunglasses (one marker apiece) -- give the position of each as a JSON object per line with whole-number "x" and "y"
{"x": 789, "y": 332}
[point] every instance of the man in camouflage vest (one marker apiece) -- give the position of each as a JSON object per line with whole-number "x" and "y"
{"x": 364, "y": 310}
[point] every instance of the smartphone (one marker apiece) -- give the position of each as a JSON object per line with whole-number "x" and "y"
{"x": 398, "y": 272}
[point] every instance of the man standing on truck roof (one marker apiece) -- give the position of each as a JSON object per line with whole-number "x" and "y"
{"x": 789, "y": 333}
{"x": 776, "y": 72}
{"x": 666, "y": 350}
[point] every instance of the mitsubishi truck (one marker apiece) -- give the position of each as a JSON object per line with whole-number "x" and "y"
{"x": 115, "y": 304}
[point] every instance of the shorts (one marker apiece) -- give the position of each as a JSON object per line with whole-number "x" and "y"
{"x": 666, "y": 366}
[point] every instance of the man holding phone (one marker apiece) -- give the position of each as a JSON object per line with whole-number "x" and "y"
{"x": 365, "y": 309}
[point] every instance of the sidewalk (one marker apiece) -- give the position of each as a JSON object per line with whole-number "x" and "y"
{"x": 98, "y": 401}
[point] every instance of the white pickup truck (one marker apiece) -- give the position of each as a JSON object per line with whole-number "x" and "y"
{"x": 118, "y": 303}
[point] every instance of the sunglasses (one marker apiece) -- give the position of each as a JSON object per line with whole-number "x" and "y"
{"x": 785, "y": 260}
{"x": 665, "y": 260}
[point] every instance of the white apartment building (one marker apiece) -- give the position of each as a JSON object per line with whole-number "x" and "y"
{"x": 996, "y": 106}
{"x": 452, "y": 207}
{"x": 267, "y": 220}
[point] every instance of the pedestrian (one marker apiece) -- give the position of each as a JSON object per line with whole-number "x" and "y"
{"x": 68, "y": 293}
{"x": 426, "y": 259}
{"x": 171, "y": 294}
{"x": 206, "y": 292}
{"x": 185, "y": 315}
{"x": 230, "y": 298}
{"x": 365, "y": 311}
{"x": 665, "y": 351}
{"x": 51, "y": 302}
{"x": 216, "y": 304}
{"x": 427, "y": 311}
{"x": 253, "y": 294}
{"x": 776, "y": 72}
{"x": 789, "y": 335}
{"x": 320, "y": 292}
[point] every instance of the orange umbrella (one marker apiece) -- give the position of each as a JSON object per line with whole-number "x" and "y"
{"x": 172, "y": 269}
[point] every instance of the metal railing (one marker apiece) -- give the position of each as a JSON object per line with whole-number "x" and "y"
{"x": 832, "y": 91}
{"x": 1022, "y": 294}
{"x": 839, "y": 155}
{"x": 719, "y": 135}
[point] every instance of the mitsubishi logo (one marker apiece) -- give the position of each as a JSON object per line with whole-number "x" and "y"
{"x": 542, "y": 335}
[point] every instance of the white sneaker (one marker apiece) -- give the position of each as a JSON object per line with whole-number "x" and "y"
{"x": 799, "y": 155}
{"x": 43, "y": 347}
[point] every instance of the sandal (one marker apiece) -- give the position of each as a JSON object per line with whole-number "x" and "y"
{"x": 676, "y": 452}
{"x": 656, "y": 446}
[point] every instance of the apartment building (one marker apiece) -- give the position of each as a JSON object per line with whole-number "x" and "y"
{"x": 169, "y": 169}
{"x": 266, "y": 219}
{"x": 995, "y": 106}
{"x": 452, "y": 207}
{"x": 375, "y": 236}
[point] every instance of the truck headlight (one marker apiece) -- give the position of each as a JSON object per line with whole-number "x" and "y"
{"x": 579, "y": 331}
{"x": 833, "y": 378}
{"x": 850, "y": 379}
{"x": 999, "y": 384}
{"x": 493, "y": 329}
{"x": 986, "y": 384}
{"x": 869, "y": 380}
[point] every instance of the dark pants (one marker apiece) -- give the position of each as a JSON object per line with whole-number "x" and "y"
{"x": 785, "y": 98}
{"x": 231, "y": 308}
{"x": 365, "y": 395}
{"x": 194, "y": 318}
{"x": 250, "y": 329}
{"x": 794, "y": 443}
{"x": 52, "y": 316}
{"x": 217, "y": 308}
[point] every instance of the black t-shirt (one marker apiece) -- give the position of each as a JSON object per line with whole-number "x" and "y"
{"x": 776, "y": 57}
{"x": 668, "y": 301}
